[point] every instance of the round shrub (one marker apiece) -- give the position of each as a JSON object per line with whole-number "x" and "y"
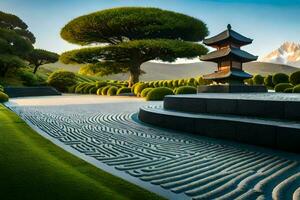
{"x": 133, "y": 86}
{"x": 112, "y": 91}
{"x": 99, "y": 90}
{"x": 86, "y": 89}
{"x": 186, "y": 90}
{"x": 161, "y": 83}
{"x": 3, "y": 97}
{"x": 249, "y": 81}
{"x": 145, "y": 92}
{"x": 280, "y": 78}
{"x": 181, "y": 82}
{"x": 258, "y": 79}
{"x": 1, "y": 88}
{"x": 72, "y": 88}
{"x": 191, "y": 82}
{"x": 170, "y": 83}
{"x": 61, "y": 80}
{"x": 124, "y": 90}
{"x": 158, "y": 94}
{"x": 288, "y": 90}
{"x": 165, "y": 83}
{"x": 282, "y": 86}
{"x": 29, "y": 78}
{"x": 156, "y": 84}
{"x": 296, "y": 89}
{"x": 268, "y": 81}
{"x": 79, "y": 88}
{"x": 100, "y": 84}
{"x": 105, "y": 89}
{"x": 139, "y": 88}
{"x": 93, "y": 90}
{"x": 175, "y": 83}
{"x": 295, "y": 78}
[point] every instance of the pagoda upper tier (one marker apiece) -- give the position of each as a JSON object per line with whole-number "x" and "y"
{"x": 227, "y": 37}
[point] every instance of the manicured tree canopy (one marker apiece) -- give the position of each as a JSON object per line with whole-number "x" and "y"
{"x": 39, "y": 57}
{"x": 132, "y": 36}
{"x": 15, "y": 43}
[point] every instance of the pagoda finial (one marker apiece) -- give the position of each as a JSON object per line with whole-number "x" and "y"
{"x": 229, "y": 27}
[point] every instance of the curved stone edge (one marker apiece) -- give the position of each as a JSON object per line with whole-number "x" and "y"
{"x": 282, "y": 136}
{"x": 111, "y": 170}
{"x": 234, "y": 106}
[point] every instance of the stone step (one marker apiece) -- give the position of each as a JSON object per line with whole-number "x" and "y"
{"x": 278, "y": 134}
{"x": 269, "y": 105}
{"x": 30, "y": 91}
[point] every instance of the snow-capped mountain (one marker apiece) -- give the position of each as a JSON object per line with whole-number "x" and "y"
{"x": 288, "y": 53}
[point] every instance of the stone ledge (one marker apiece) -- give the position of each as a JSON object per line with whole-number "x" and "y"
{"x": 278, "y": 134}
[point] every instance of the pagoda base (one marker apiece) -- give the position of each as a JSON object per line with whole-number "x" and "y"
{"x": 238, "y": 88}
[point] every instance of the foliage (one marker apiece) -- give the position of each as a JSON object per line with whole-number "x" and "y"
{"x": 105, "y": 89}
{"x": 61, "y": 80}
{"x": 3, "y": 97}
{"x": 280, "y": 78}
{"x": 145, "y": 92}
{"x": 134, "y": 36}
{"x": 72, "y": 88}
{"x": 112, "y": 91}
{"x": 139, "y": 88}
{"x": 295, "y": 78}
{"x": 1, "y": 88}
{"x": 29, "y": 78}
{"x": 158, "y": 94}
{"x": 34, "y": 168}
{"x": 268, "y": 81}
{"x": 124, "y": 90}
{"x": 186, "y": 90}
{"x": 288, "y": 90}
{"x": 296, "y": 89}
{"x": 38, "y": 57}
{"x": 282, "y": 86}
{"x": 93, "y": 90}
{"x": 15, "y": 42}
{"x": 258, "y": 79}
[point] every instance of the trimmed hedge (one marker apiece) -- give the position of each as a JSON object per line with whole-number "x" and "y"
{"x": 296, "y": 89}
{"x": 295, "y": 78}
{"x": 112, "y": 91}
{"x": 258, "y": 80}
{"x": 72, "y": 88}
{"x": 105, "y": 89}
{"x": 61, "y": 80}
{"x": 158, "y": 94}
{"x": 139, "y": 88}
{"x": 3, "y": 97}
{"x": 86, "y": 89}
{"x": 145, "y": 92}
{"x": 123, "y": 90}
{"x": 99, "y": 91}
{"x": 288, "y": 90}
{"x": 186, "y": 90}
{"x": 280, "y": 78}
{"x": 93, "y": 90}
{"x": 268, "y": 81}
{"x": 282, "y": 86}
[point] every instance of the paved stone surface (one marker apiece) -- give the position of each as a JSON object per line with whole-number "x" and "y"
{"x": 195, "y": 167}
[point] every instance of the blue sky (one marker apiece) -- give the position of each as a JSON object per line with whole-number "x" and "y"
{"x": 268, "y": 22}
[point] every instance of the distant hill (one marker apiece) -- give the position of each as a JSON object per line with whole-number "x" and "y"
{"x": 162, "y": 71}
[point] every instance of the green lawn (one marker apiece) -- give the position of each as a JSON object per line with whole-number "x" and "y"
{"x": 31, "y": 167}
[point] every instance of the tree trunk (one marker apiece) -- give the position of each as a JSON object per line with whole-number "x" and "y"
{"x": 35, "y": 68}
{"x": 134, "y": 75}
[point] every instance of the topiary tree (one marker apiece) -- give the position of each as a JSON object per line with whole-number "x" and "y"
{"x": 38, "y": 57}
{"x": 282, "y": 86}
{"x": 258, "y": 79}
{"x": 158, "y": 94}
{"x": 15, "y": 42}
{"x": 280, "y": 78}
{"x": 132, "y": 36}
{"x": 295, "y": 78}
{"x": 268, "y": 81}
{"x": 61, "y": 80}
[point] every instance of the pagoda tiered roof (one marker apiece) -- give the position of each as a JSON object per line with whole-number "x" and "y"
{"x": 227, "y": 35}
{"x": 235, "y": 74}
{"x": 241, "y": 55}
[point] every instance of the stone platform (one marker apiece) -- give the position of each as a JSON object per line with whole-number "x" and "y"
{"x": 231, "y": 88}
{"x": 265, "y": 119}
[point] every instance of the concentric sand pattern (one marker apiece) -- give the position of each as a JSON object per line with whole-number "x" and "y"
{"x": 182, "y": 163}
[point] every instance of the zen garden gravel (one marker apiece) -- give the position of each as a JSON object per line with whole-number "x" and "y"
{"x": 105, "y": 132}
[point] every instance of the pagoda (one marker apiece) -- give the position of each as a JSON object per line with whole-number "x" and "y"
{"x": 229, "y": 58}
